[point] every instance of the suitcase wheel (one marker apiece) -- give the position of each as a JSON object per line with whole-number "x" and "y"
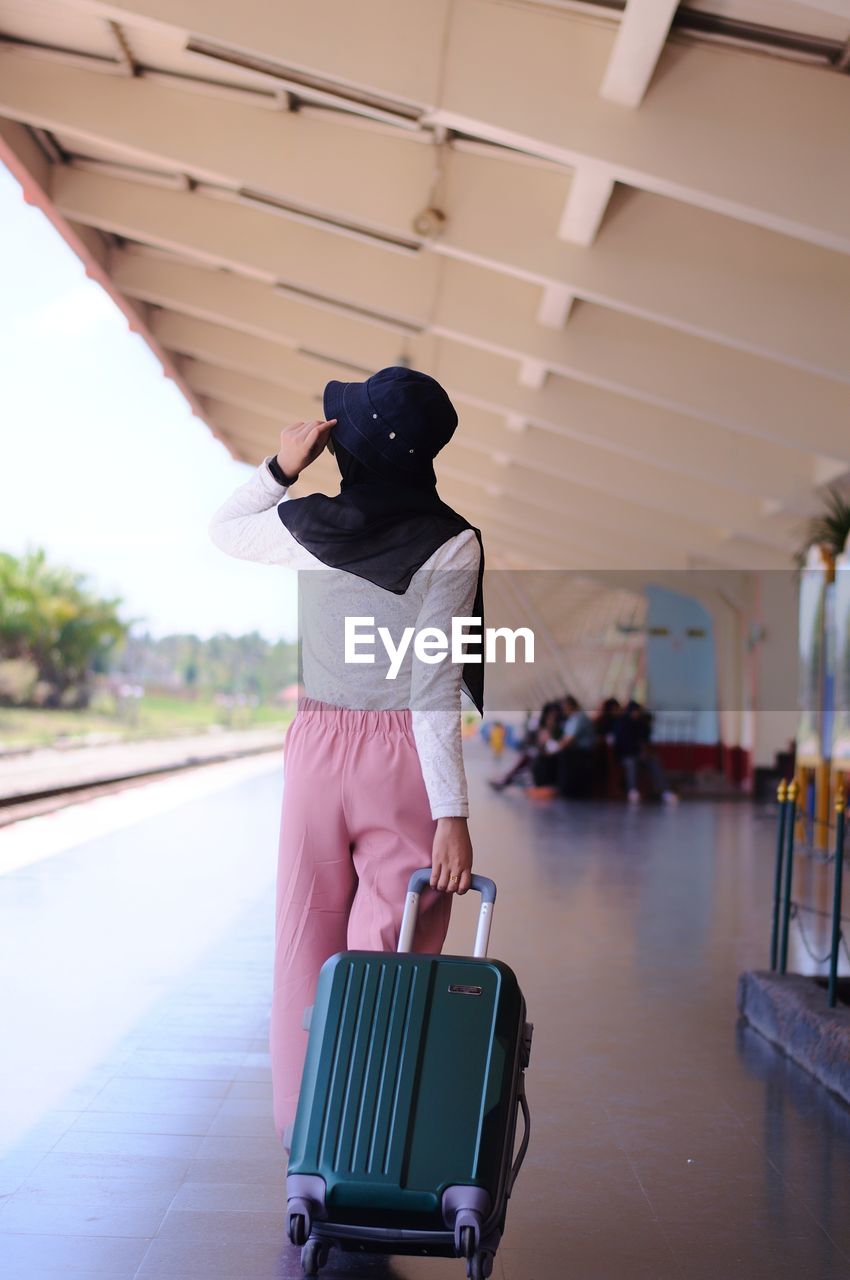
{"x": 314, "y": 1255}
{"x": 480, "y": 1265}
{"x": 467, "y": 1242}
{"x": 298, "y": 1227}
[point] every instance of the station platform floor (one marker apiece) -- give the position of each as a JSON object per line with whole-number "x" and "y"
{"x": 668, "y": 1142}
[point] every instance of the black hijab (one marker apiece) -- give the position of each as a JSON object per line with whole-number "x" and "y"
{"x": 384, "y": 530}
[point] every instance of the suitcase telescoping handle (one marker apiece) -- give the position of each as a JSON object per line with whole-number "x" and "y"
{"x": 418, "y": 881}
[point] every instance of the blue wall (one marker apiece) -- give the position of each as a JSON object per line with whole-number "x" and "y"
{"x": 681, "y": 663}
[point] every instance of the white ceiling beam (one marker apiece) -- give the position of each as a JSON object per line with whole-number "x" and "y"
{"x": 674, "y": 265}
{"x": 629, "y": 484}
{"x": 602, "y": 421}
{"x": 552, "y": 517}
{"x": 582, "y": 414}
{"x": 256, "y": 426}
{"x": 364, "y": 47}
{"x": 246, "y": 353}
{"x": 582, "y": 508}
{"x": 556, "y": 303}
{"x": 533, "y": 513}
{"x": 254, "y": 308}
{"x": 256, "y": 430}
{"x": 708, "y": 115}
{"x": 591, "y": 188}
{"x": 673, "y": 370}
{"x": 664, "y": 261}
{"x": 518, "y": 519}
{"x": 544, "y": 551}
{"x": 602, "y": 348}
{"x": 513, "y": 526}
{"x": 218, "y": 140}
{"x": 537, "y": 472}
{"x": 532, "y": 374}
{"x": 482, "y": 439}
{"x": 655, "y": 532}
{"x": 516, "y": 423}
{"x": 703, "y": 499}
{"x": 245, "y": 391}
{"x": 513, "y": 529}
{"x": 803, "y": 325}
{"x": 262, "y": 246}
{"x": 543, "y": 403}
{"x": 640, "y": 39}
{"x": 737, "y": 554}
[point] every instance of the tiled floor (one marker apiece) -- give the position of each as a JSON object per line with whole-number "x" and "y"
{"x": 668, "y": 1143}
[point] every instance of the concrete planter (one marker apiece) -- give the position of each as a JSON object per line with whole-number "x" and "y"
{"x": 792, "y": 1012}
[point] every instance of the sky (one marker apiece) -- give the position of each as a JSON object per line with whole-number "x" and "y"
{"x": 101, "y": 460}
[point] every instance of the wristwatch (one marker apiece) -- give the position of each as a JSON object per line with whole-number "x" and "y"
{"x": 279, "y": 476}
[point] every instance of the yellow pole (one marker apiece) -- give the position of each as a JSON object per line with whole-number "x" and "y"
{"x": 782, "y": 799}
{"x": 822, "y": 781}
{"x": 787, "y": 878}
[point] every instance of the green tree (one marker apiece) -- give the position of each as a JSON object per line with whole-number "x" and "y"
{"x": 49, "y": 616}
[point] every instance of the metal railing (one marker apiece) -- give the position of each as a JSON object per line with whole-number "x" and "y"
{"x": 784, "y": 907}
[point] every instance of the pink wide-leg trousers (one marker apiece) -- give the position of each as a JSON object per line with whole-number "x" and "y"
{"x": 355, "y": 824}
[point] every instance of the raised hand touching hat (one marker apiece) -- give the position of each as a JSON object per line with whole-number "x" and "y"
{"x": 301, "y": 443}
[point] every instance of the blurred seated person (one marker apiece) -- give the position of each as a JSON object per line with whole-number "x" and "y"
{"x": 546, "y": 730}
{"x": 606, "y": 783}
{"x": 544, "y": 764}
{"x": 574, "y": 751}
{"x": 606, "y": 719}
{"x": 632, "y": 746}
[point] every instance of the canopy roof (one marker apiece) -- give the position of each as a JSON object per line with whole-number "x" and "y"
{"x": 621, "y": 245}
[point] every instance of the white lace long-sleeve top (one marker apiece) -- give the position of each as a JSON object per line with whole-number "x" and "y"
{"x": 247, "y": 525}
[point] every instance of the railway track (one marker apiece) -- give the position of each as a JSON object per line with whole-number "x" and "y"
{"x": 17, "y": 807}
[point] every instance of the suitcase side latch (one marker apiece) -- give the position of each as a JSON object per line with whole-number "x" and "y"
{"x": 525, "y": 1051}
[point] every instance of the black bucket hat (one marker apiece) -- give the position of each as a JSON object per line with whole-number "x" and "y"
{"x": 398, "y": 420}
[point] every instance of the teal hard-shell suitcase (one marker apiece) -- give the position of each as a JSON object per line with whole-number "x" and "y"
{"x": 406, "y": 1121}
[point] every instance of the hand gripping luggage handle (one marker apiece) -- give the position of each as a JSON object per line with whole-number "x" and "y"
{"x": 418, "y": 881}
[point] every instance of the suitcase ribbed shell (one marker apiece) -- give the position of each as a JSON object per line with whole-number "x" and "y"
{"x": 409, "y": 1082}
